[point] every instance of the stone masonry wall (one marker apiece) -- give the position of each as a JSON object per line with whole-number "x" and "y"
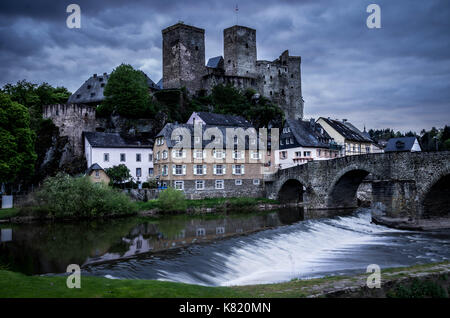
{"x": 72, "y": 120}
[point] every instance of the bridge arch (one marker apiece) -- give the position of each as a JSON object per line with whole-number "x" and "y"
{"x": 292, "y": 191}
{"x": 435, "y": 198}
{"x": 343, "y": 188}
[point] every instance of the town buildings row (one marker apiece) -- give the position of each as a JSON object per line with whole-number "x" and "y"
{"x": 222, "y": 155}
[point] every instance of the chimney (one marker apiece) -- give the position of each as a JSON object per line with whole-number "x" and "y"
{"x": 104, "y": 74}
{"x": 312, "y": 122}
{"x": 344, "y": 120}
{"x": 95, "y": 75}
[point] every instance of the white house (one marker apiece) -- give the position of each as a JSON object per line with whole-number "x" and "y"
{"x": 112, "y": 149}
{"x": 303, "y": 141}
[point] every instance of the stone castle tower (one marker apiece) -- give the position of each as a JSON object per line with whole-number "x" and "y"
{"x": 239, "y": 51}
{"x": 183, "y": 57}
{"x": 184, "y": 66}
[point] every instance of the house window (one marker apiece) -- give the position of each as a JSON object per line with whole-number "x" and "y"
{"x": 97, "y": 174}
{"x": 178, "y": 153}
{"x": 237, "y": 155}
{"x": 219, "y": 170}
{"x": 283, "y": 154}
{"x": 106, "y": 157}
{"x": 198, "y": 170}
{"x": 178, "y": 170}
{"x": 318, "y": 152}
{"x": 150, "y": 171}
{"x": 122, "y": 157}
{"x": 281, "y": 142}
{"x": 220, "y": 230}
{"x": 256, "y": 155}
{"x": 238, "y": 182}
{"x": 179, "y": 185}
{"x": 165, "y": 170}
{"x": 236, "y": 140}
{"x": 196, "y": 139}
{"x": 291, "y": 141}
{"x": 307, "y": 153}
{"x": 199, "y": 185}
{"x": 150, "y": 157}
{"x": 298, "y": 154}
{"x": 198, "y": 154}
{"x": 219, "y": 154}
{"x": 238, "y": 169}
{"x": 138, "y": 157}
{"x": 256, "y": 181}
{"x": 138, "y": 172}
{"x": 157, "y": 155}
{"x": 164, "y": 154}
{"x": 219, "y": 184}
{"x": 201, "y": 232}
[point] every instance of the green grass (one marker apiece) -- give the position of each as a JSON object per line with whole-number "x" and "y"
{"x": 19, "y": 285}
{"x": 229, "y": 203}
{"x": 8, "y": 213}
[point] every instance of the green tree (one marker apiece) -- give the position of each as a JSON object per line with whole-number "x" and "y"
{"x": 171, "y": 200}
{"x": 17, "y": 154}
{"x": 118, "y": 174}
{"x": 127, "y": 94}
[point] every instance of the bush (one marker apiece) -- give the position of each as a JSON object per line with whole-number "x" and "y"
{"x": 67, "y": 197}
{"x": 171, "y": 200}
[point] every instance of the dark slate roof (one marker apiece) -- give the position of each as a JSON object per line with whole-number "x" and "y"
{"x": 347, "y": 130}
{"x": 92, "y": 90}
{"x": 400, "y": 144}
{"x": 215, "y": 62}
{"x": 93, "y": 167}
{"x": 308, "y": 134}
{"x": 160, "y": 84}
{"x": 166, "y": 132}
{"x": 116, "y": 140}
{"x": 223, "y": 119}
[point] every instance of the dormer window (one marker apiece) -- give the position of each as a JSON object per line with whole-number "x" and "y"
{"x": 89, "y": 87}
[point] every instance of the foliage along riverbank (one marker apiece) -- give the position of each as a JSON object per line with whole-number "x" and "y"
{"x": 67, "y": 198}
{"x": 420, "y": 281}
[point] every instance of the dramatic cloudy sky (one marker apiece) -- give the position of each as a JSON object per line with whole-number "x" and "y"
{"x": 397, "y": 76}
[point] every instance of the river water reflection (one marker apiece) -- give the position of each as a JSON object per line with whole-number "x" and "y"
{"x": 220, "y": 250}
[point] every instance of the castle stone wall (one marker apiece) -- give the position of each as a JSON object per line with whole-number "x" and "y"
{"x": 72, "y": 120}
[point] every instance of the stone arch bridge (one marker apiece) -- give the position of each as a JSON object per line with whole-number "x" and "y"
{"x": 403, "y": 184}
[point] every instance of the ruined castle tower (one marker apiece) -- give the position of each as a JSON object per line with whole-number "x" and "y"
{"x": 183, "y": 57}
{"x": 239, "y": 49}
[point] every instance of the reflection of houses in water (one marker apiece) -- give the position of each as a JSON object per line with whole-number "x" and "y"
{"x": 148, "y": 237}
{"x": 6, "y": 235}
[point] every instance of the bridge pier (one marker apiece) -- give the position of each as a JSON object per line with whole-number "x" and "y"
{"x": 395, "y": 198}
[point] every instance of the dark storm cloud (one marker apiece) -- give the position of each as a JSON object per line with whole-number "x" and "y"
{"x": 396, "y": 76}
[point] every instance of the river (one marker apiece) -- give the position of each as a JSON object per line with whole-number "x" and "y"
{"x": 220, "y": 250}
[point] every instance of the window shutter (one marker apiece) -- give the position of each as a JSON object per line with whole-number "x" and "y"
{"x": 184, "y": 153}
{"x": 214, "y": 169}
{"x": 195, "y": 154}
{"x": 204, "y": 169}
{"x": 242, "y": 169}
{"x": 234, "y": 169}
{"x": 204, "y": 154}
{"x": 184, "y": 169}
{"x": 224, "y": 169}
{"x": 174, "y": 171}
{"x": 193, "y": 169}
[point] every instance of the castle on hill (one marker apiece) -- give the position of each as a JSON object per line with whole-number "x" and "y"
{"x": 184, "y": 66}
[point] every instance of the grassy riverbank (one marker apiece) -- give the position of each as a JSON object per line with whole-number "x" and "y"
{"x": 220, "y": 203}
{"x": 429, "y": 280}
{"x": 8, "y": 213}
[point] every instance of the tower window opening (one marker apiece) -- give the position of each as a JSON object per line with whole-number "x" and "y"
{"x": 196, "y": 48}
{"x": 246, "y": 45}
{"x": 292, "y": 75}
